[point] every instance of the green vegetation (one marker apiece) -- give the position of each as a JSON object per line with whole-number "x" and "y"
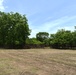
{"x": 14, "y": 32}
{"x": 14, "y": 29}
{"x": 42, "y": 36}
{"x": 63, "y": 39}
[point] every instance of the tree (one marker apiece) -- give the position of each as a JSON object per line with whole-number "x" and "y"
{"x": 62, "y": 39}
{"x": 41, "y": 36}
{"x": 74, "y": 39}
{"x": 14, "y": 29}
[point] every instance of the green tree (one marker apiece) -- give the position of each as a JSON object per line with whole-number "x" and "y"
{"x": 14, "y": 29}
{"x": 62, "y": 39}
{"x": 41, "y": 36}
{"x": 74, "y": 39}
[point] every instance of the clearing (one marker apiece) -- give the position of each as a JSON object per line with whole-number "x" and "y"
{"x": 37, "y": 62}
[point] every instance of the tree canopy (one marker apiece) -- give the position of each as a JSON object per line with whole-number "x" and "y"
{"x": 14, "y": 29}
{"x": 41, "y": 36}
{"x": 63, "y": 39}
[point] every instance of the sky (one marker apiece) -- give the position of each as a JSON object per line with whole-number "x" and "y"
{"x": 44, "y": 15}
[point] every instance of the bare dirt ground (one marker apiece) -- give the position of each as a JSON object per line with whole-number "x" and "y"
{"x": 37, "y": 62}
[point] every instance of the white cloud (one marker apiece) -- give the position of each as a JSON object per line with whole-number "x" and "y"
{"x": 66, "y": 28}
{"x": 53, "y": 26}
{"x": 1, "y": 5}
{"x": 61, "y": 22}
{"x": 58, "y": 22}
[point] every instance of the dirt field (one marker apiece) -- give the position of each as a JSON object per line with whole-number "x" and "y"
{"x": 37, "y": 62}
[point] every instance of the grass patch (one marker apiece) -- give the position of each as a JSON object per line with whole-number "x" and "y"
{"x": 37, "y": 62}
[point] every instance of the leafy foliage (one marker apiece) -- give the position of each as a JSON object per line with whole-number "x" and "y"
{"x": 33, "y": 41}
{"x": 41, "y": 36}
{"x": 13, "y": 29}
{"x": 63, "y": 39}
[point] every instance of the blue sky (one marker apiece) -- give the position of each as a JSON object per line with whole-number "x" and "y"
{"x": 44, "y": 15}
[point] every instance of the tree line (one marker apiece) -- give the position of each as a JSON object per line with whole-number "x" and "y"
{"x": 15, "y": 31}
{"x": 64, "y": 39}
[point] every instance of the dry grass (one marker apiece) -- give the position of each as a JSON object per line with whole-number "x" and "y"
{"x": 37, "y": 62}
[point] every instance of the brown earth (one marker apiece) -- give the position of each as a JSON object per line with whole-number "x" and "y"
{"x": 37, "y": 62}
